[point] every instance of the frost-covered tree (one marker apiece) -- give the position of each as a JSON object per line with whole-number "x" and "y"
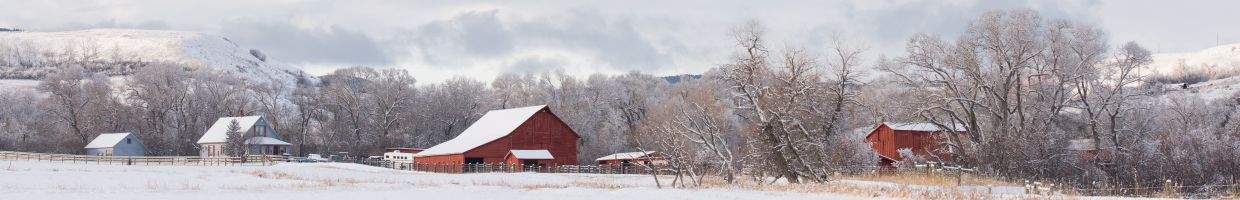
{"x": 235, "y": 143}
{"x": 79, "y": 101}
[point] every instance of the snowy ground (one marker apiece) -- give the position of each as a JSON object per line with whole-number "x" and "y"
{"x": 47, "y": 180}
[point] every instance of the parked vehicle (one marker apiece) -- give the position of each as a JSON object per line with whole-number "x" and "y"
{"x": 301, "y": 160}
{"x": 317, "y": 158}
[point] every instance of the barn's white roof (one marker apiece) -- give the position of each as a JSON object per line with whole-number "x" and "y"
{"x": 926, "y": 127}
{"x": 266, "y": 141}
{"x": 531, "y": 154}
{"x": 219, "y": 131}
{"x": 625, "y": 155}
{"x": 107, "y": 140}
{"x": 494, "y": 125}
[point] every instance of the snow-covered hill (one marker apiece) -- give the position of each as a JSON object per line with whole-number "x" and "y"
{"x": 191, "y": 49}
{"x": 1225, "y": 57}
{"x": 1218, "y": 66}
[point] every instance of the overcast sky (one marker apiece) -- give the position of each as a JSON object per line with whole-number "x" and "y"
{"x": 439, "y": 39}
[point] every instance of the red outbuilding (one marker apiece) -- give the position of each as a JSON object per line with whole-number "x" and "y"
{"x": 648, "y": 158}
{"x": 921, "y": 139}
{"x": 528, "y": 135}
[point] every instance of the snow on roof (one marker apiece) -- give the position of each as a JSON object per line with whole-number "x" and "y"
{"x": 219, "y": 131}
{"x": 266, "y": 141}
{"x": 625, "y": 155}
{"x": 107, "y": 140}
{"x": 494, "y": 125}
{"x": 540, "y": 154}
{"x": 925, "y": 127}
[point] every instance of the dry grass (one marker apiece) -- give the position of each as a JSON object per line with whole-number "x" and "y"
{"x": 940, "y": 186}
{"x": 873, "y": 191}
{"x": 270, "y": 174}
{"x": 932, "y": 179}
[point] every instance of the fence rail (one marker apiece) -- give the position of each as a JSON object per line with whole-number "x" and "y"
{"x": 144, "y": 160}
{"x": 517, "y": 168}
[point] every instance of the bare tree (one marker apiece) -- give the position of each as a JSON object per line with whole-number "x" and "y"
{"x": 77, "y": 101}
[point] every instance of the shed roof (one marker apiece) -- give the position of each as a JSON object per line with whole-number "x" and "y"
{"x": 541, "y": 154}
{"x": 625, "y": 155}
{"x": 492, "y": 126}
{"x": 219, "y": 131}
{"x": 107, "y": 140}
{"x": 924, "y": 127}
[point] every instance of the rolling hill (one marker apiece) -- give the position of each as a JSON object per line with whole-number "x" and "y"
{"x": 28, "y": 55}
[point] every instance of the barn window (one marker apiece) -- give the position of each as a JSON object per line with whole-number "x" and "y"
{"x": 128, "y": 141}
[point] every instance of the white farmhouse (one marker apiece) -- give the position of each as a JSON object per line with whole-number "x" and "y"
{"x": 115, "y": 144}
{"x": 261, "y": 138}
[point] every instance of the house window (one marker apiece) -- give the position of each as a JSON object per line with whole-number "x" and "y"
{"x": 127, "y": 141}
{"x": 260, "y": 130}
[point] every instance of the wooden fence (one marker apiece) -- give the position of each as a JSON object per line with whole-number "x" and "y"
{"x": 144, "y": 160}
{"x": 517, "y": 168}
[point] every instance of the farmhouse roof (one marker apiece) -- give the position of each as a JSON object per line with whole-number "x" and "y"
{"x": 219, "y": 131}
{"x": 541, "y": 154}
{"x": 625, "y": 155}
{"x": 492, "y": 126}
{"x": 107, "y": 140}
{"x": 266, "y": 141}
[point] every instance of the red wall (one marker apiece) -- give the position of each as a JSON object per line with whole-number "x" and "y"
{"x": 542, "y": 131}
{"x": 440, "y": 159}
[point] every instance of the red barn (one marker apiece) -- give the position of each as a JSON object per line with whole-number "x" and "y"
{"x": 513, "y": 136}
{"x": 922, "y": 139}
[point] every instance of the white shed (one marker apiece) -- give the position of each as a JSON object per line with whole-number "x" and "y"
{"x": 115, "y": 144}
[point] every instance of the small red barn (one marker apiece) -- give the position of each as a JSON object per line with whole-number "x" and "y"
{"x": 1088, "y": 149}
{"x": 922, "y": 139}
{"x": 530, "y": 157}
{"x": 633, "y": 158}
{"x": 509, "y": 136}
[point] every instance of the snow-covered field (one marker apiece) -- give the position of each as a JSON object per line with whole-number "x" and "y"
{"x": 49, "y": 180}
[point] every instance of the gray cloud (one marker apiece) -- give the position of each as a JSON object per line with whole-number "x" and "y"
{"x": 535, "y": 64}
{"x": 887, "y": 28}
{"x": 481, "y": 35}
{"x": 616, "y": 42}
{"x": 286, "y": 42}
{"x": 469, "y": 34}
{"x": 112, "y": 23}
